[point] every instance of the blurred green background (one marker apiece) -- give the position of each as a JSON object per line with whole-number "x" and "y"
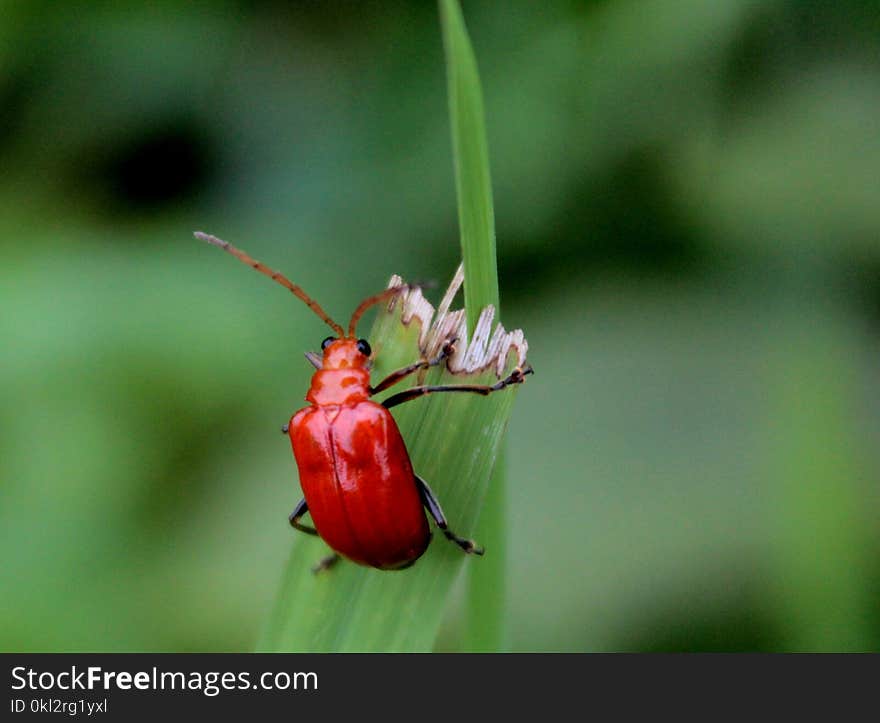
{"x": 688, "y": 217}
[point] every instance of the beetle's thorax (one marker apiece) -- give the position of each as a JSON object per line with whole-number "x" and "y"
{"x": 339, "y": 386}
{"x": 343, "y": 377}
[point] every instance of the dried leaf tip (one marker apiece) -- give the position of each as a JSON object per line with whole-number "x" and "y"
{"x": 486, "y": 349}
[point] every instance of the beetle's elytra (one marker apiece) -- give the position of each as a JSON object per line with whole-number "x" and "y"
{"x": 365, "y": 500}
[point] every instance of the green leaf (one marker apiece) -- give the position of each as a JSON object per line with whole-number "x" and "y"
{"x": 476, "y": 217}
{"x": 486, "y": 613}
{"x": 473, "y": 186}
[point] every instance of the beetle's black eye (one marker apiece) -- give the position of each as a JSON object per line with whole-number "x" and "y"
{"x": 327, "y": 342}
{"x": 364, "y": 348}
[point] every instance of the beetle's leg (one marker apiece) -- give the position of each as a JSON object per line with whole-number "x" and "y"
{"x": 314, "y": 359}
{"x": 298, "y": 512}
{"x": 433, "y": 506}
{"x": 517, "y": 376}
{"x": 285, "y": 428}
{"x": 401, "y": 374}
{"x": 325, "y": 563}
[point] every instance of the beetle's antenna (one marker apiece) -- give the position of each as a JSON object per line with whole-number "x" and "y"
{"x": 370, "y": 301}
{"x": 274, "y": 275}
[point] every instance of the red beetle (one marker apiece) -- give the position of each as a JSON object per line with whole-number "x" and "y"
{"x": 356, "y": 476}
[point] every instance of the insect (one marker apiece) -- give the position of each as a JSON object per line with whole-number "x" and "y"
{"x": 365, "y": 500}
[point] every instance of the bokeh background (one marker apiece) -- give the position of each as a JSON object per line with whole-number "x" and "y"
{"x": 688, "y": 218}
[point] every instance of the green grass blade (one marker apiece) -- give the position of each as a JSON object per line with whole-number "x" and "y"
{"x": 476, "y": 216}
{"x": 471, "y": 154}
{"x": 485, "y": 629}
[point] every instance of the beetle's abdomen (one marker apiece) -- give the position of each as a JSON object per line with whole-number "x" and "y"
{"x": 358, "y": 482}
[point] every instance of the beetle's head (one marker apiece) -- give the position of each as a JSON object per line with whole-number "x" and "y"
{"x": 345, "y": 353}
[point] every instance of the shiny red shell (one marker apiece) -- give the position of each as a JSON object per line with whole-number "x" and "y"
{"x": 355, "y": 472}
